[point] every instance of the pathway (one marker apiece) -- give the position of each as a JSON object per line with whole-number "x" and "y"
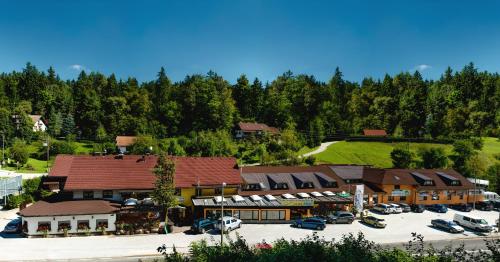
{"x": 320, "y": 149}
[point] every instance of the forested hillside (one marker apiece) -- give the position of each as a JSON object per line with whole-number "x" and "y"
{"x": 95, "y": 106}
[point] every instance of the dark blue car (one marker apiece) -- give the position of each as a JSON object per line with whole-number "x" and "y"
{"x": 312, "y": 223}
{"x": 437, "y": 208}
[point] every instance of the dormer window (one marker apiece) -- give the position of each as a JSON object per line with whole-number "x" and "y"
{"x": 280, "y": 186}
{"x": 307, "y": 185}
{"x": 448, "y": 179}
{"x": 428, "y": 183}
{"x": 252, "y": 187}
{"x": 330, "y": 184}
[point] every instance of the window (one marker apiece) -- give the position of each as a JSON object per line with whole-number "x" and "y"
{"x": 461, "y": 196}
{"x": 281, "y": 186}
{"x": 107, "y": 194}
{"x": 247, "y": 214}
{"x": 455, "y": 183}
{"x": 62, "y": 225}
{"x": 428, "y": 183}
{"x": 390, "y": 198}
{"x": 402, "y": 198}
{"x": 83, "y": 225}
{"x": 273, "y": 214}
{"x": 102, "y": 223}
{"x": 397, "y": 187}
{"x": 218, "y": 190}
{"x": 330, "y": 184}
{"x": 43, "y": 226}
{"x": 251, "y": 187}
{"x": 307, "y": 185}
{"x": 177, "y": 191}
{"x": 88, "y": 194}
{"x": 422, "y": 198}
{"x": 198, "y": 191}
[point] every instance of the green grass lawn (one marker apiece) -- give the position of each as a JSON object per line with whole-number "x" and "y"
{"x": 33, "y": 166}
{"x": 83, "y": 148}
{"x": 378, "y": 153}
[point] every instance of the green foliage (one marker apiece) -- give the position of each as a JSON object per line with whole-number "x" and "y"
{"x": 350, "y": 248}
{"x": 208, "y": 143}
{"x": 164, "y": 191}
{"x": 143, "y": 145}
{"x": 433, "y": 157}
{"x": 19, "y": 152}
{"x": 60, "y": 147}
{"x": 14, "y": 201}
{"x": 401, "y": 158}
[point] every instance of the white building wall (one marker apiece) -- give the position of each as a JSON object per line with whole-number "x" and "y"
{"x": 33, "y": 223}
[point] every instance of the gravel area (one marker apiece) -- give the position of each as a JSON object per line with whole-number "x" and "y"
{"x": 399, "y": 229}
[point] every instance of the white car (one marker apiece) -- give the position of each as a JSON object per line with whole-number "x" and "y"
{"x": 477, "y": 224}
{"x": 384, "y": 208}
{"x": 396, "y": 209}
{"x": 230, "y": 223}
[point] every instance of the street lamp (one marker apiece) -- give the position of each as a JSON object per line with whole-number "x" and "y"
{"x": 46, "y": 143}
{"x": 3, "y": 148}
{"x": 222, "y": 215}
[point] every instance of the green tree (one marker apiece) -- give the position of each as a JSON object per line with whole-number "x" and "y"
{"x": 433, "y": 157}
{"x": 401, "y": 158}
{"x": 463, "y": 150}
{"x": 20, "y": 152}
{"x": 68, "y": 125}
{"x": 164, "y": 191}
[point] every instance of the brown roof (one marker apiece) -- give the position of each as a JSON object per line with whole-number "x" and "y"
{"x": 35, "y": 118}
{"x": 68, "y": 208}
{"x": 259, "y": 173}
{"x": 348, "y": 172}
{"x": 254, "y": 127}
{"x": 134, "y": 172}
{"x": 404, "y": 177}
{"x": 125, "y": 140}
{"x": 374, "y": 132}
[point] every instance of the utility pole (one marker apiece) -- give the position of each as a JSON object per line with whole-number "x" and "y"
{"x": 475, "y": 185}
{"x": 48, "y": 151}
{"x": 3, "y": 148}
{"x": 222, "y": 215}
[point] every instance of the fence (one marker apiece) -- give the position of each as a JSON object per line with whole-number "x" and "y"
{"x": 10, "y": 185}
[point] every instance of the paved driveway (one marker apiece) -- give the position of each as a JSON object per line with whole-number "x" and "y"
{"x": 399, "y": 229}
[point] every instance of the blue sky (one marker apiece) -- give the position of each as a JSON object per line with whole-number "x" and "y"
{"x": 259, "y": 38}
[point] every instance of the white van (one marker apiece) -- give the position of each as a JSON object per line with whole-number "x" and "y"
{"x": 384, "y": 208}
{"x": 474, "y": 223}
{"x": 491, "y": 196}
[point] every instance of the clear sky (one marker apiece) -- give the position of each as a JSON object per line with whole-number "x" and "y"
{"x": 259, "y": 38}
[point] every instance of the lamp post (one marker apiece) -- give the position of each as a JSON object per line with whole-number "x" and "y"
{"x": 48, "y": 154}
{"x": 222, "y": 215}
{"x": 3, "y": 148}
{"x": 474, "y": 200}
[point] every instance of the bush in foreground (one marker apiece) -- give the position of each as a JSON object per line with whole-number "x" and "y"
{"x": 350, "y": 248}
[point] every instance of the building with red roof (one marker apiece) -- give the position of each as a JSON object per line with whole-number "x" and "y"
{"x": 248, "y": 128}
{"x": 374, "y": 132}
{"x": 124, "y": 176}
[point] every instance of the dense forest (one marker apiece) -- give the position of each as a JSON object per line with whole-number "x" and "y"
{"x": 95, "y": 106}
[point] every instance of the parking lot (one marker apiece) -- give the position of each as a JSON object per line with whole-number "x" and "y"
{"x": 399, "y": 229}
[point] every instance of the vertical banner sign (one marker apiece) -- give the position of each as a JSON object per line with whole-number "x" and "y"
{"x": 358, "y": 197}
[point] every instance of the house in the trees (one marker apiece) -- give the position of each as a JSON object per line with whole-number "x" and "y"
{"x": 122, "y": 142}
{"x": 38, "y": 124}
{"x": 245, "y": 129}
{"x": 374, "y": 132}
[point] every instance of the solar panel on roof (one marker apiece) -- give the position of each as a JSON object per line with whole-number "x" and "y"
{"x": 303, "y": 195}
{"x": 329, "y": 193}
{"x": 256, "y": 198}
{"x": 288, "y": 196}
{"x": 218, "y": 199}
{"x": 447, "y": 176}
{"x": 270, "y": 197}
{"x": 238, "y": 198}
{"x": 424, "y": 177}
{"x": 316, "y": 194}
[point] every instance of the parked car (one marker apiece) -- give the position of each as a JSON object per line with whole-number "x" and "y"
{"x": 406, "y": 208}
{"x": 477, "y": 224}
{"x": 449, "y": 226}
{"x": 396, "y": 209}
{"x": 462, "y": 207}
{"x": 230, "y": 223}
{"x": 340, "y": 217}
{"x": 14, "y": 226}
{"x": 439, "y": 208}
{"x": 147, "y": 201}
{"x": 312, "y": 223}
{"x": 130, "y": 202}
{"x": 374, "y": 221}
{"x": 202, "y": 225}
{"x": 383, "y": 208}
{"x": 417, "y": 208}
{"x": 496, "y": 204}
{"x": 484, "y": 205}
